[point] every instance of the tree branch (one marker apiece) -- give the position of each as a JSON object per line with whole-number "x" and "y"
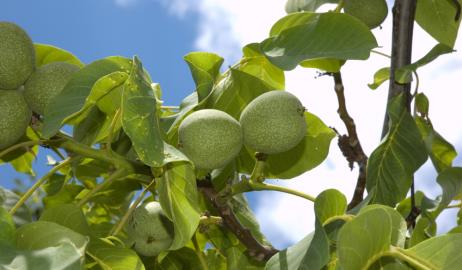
{"x": 349, "y": 144}
{"x": 255, "y": 249}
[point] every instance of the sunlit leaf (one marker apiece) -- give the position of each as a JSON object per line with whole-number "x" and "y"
{"x": 391, "y": 166}
{"x": 45, "y": 54}
{"x": 382, "y": 75}
{"x": 110, "y": 257}
{"x": 205, "y": 68}
{"x": 329, "y": 203}
{"x": 305, "y": 5}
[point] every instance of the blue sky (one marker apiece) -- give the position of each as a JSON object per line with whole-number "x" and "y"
{"x": 161, "y": 32}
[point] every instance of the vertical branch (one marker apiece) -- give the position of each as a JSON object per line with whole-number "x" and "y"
{"x": 350, "y": 145}
{"x": 401, "y": 55}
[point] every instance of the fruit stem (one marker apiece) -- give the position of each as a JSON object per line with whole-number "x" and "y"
{"x": 199, "y": 253}
{"x": 258, "y": 173}
{"x": 37, "y": 184}
{"x": 249, "y": 185}
{"x": 21, "y": 145}
{"x": 118, "y": 227}
{"x": 107, "y": 182}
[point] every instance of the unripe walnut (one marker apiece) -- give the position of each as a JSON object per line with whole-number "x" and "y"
{"x": 15, "y": 116}
{"x": 17, "y": 56}
{"x": 274, "y": 122}
{"x": 371, "y": 12}
{"x": 210, "y": 138}
{"x": 150, "y": 229}
{"x": 47, "y": 82}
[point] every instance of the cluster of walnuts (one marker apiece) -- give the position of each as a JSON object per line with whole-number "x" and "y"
{"x": 24, "y": 87}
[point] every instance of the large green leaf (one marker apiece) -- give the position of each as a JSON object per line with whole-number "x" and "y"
{"x": 328, "y": 204}
{"x": 74, "y": 95}
{"x": 308, "y": 154}
{"x": 179, "y": 199}
{"x": 437, "y": 17}
{"x": 255, "y": 63}
{"x": 235, "y": 91}
{"x": 303, "y": 36}
{"x": 64, "y": 256}
{"x": 404, "y": 75}
{"x": 7, "y": 200}
{"x": 7, "y": 228}
{"x": 205, "y": 68}
{"x": 43, "y": 234}
{"x": 67, "y": 215}
{"x": 110, "y": 257}
{"x": 441, "y": 152}
{"x": 305, "y": 5}
{"x": 450, "y": 181}
{"x": 391, "y": 166}
{"x": 312, "y": 252}
{"x": 141, "y": 123}
{"x": 361, "y": 241}
{"x": 45, "y": 54}
{"x": 441, "y": 252}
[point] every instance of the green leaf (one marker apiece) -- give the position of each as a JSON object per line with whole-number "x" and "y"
{"x": 66, "y": 195}
{"x": 441, "y": 252}
{"x": 404, "y": 75}
{"x": 424, "y": 229}
{"x": 237, "y": 259}
{"x": 117, "y": 193}
{"x": 438, "y": 19}
{"x": 141, "y": 122}
{"x": 364, "y": 238}
{"x": 312, "y": 252}
{"x": 64, "y": 256}
{"x": 325, "y": 64}
{"x": 398, "y": 224}
{"x": 256, "y": 64}
{"x": 329, "y": 203}
{"x": 91, "y": 127}
{"x": 179, "y": 199}
{"x": 67, "y": 215}
{"x": 392, "y": 165}
{"x": 110, "y": 257}
{"x": 21, "y": 159}
{"x": 235, "y": 91}
{"x": 382, "y": 75}
{"x": 303, "y": 36}
{"x": 7, "y": 200}
{"x": 450, "y": 181}
{"x": 205, "y": 68}
{"x": 441, "y": 152}
{"x": 308, "y": 154}
{"x": 7, "y": 228}
{"x": 45, "y": 54}
{"x": 43, "y": 234}
{"x": 74, "y": 95}
{"x": 422, "y": 104}
{"x": 305, "y": 5}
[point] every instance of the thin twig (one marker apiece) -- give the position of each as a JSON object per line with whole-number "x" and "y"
{"x": 255, "y": 249}
{"x": 350, "y": 144}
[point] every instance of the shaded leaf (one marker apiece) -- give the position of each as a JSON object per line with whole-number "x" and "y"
{"x": 404, "y": 75}
{"x": 450, "y": 181}
{"x": 246, "y": 217}
{"x": 308, "y": 154}
{"x": 21, "y": 159}
{"x": 75, "y": 93}
{"x": 67, "y": 215}
{"x": 325, "y": 64}
{"x": 329, "y": 203}
{"x": 64, "y": 256}
{"x": 312, "y": 252}
{"x": 438, "y": 19}
{"x": 382, "y": 75}
{"x": 205, "y": 68}
{"x": 110, "y": 257}
{"x": 303, "y": 36}
{"x": 7, "y": 200}
{"x": 179, "y": 199}
{"x": 392, "y": 165}
{"x": 422, "y": 104}
{"x": 7, "y": 228}
{"x": 45, "y": 54}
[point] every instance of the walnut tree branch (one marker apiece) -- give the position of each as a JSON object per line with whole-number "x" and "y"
{"x": 349, "y": 144}
{"x": 255, "y": 249}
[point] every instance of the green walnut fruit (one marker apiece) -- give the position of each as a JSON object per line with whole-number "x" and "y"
{"x": 150, "y": 229}
{"x": 17, "y": 56}
{"x": 274, "y": 122}
{"x": 15, "y": 116}
{"x": 371, "y": 12}
{"x": 210, "y": 138}
{"x": 47, "y": 82}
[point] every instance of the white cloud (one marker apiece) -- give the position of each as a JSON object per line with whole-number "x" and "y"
{"x": 225, "y": 26}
